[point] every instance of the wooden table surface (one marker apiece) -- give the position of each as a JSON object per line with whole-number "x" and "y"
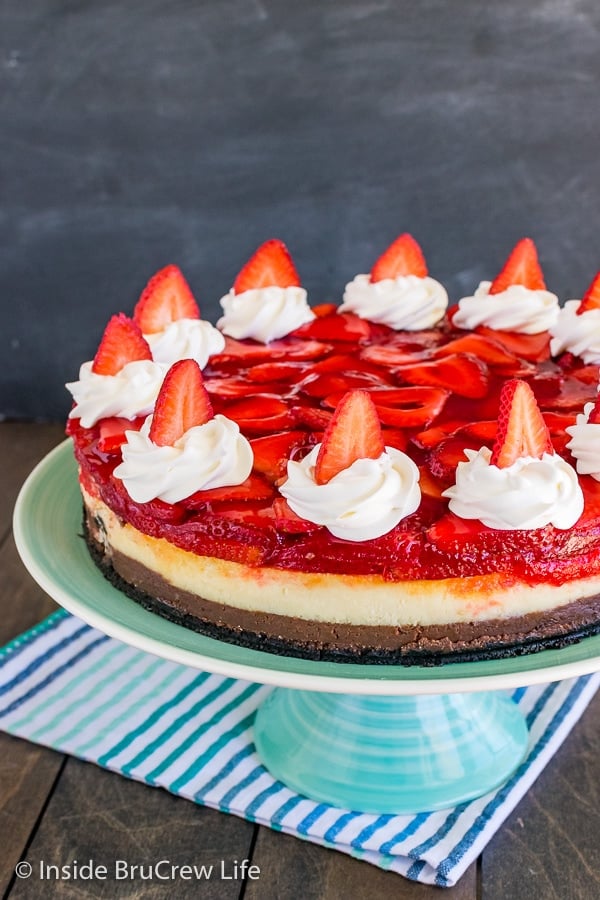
{"x": 57, "y": 809}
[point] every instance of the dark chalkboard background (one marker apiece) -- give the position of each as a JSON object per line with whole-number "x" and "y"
{"x": 135, "y": 133}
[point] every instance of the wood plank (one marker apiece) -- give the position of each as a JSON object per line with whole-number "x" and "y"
{"x": 22, "y": 445}
{"x": 27, "y": 772}
{"x": 99, "y": 815}
{"x": 549, "y": 846}
{"x": 287, "y": 862}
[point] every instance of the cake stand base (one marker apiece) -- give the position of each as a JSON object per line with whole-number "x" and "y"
{"x": 390, "y": 754}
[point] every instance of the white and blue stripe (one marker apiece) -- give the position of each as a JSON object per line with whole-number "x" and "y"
{"x": 68, "y": 686}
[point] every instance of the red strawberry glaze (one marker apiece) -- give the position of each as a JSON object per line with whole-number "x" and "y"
{"x": 252, "y": 527}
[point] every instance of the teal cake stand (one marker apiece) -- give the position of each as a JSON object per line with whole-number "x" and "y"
{"x": 380, "y": 739}
{"x": 390, "y": 754}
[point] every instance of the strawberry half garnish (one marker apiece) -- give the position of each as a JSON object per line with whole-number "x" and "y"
{"x": 522, "y": 267}
{"x": 166, "y": 298}
{"x": 122, "y": 343}
{"x": 522, "y": 430}
{"x": 403, "y": 257}
{"x": 591, "y": 298}
{"x": 270, "y": 266}
{"x": 182, "y": 403}
{"x": 353, "y": 433}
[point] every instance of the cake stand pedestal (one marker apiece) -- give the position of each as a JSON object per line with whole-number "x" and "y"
{"x": 364, "y": 737}
{"x": 390, "y": 754}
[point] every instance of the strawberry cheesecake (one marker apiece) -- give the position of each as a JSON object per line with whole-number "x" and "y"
{"x": 385, "y": 480}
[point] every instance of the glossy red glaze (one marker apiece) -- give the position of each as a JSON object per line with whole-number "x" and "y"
{"x": 284, "y": 409}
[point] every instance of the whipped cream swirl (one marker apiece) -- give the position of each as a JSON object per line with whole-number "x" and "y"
{"x": 186, "y": 339}
{"x": 579, "y": 335}
{"x": 529, "y": 494}
{"x": 131, "y": 392}
{"x": 360, "y": 503}
{"x": 515, "y": 309}
{"x": 206, "y": 456}
{"x": 585, "y": 443}
{"x": 264, "y": 314}
{"x": 405, "y": 303}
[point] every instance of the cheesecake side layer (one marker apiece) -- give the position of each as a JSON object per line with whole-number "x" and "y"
{"x": 286, "y": 635}
{"x": 400, "y": 642}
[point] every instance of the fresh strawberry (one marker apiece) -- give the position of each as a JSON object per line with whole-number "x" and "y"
{"x": 594, "y": 416}
{"x": 112, "y": 432}
{"x": 270, "y": 266}
{"x": 166, "y": 298}
{"x": 326, "y": 384}
{"x": 271, "y": 452}
{"x": 181, "y": 404}
{"x": 521, "y": 267}
{"x": 462, "y": 373}
{"x": 591, "y": 298}
{"x": 353, "y": 433}
{"x": 402, "y": 257}
{"x": 534, "y": 347}
{"x": 521, "y": 427}
{"x": 122, "y": 343}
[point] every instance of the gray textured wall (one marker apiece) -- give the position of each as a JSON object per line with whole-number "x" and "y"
{"x": 135, "y": 133}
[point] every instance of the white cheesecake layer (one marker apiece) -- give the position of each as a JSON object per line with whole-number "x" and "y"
{"x": 341, "y": 599}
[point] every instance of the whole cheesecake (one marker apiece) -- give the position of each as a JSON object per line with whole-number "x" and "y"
{"x": 382, "y": 481}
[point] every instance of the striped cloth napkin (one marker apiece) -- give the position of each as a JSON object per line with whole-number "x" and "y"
{"x": 70, "y": 687}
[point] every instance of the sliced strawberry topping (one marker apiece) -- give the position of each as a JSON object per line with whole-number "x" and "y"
{"x": 405, "y": 407}
{"x": 316, "y": 419}
{"x": 271, "y": 452}
{"x": 521, "y": 427}
{"x": 488, "y": 350}
{"x": 336, "y": 327}
{"x": 462, "y": 373}
{"x": 112, "y": 432}
{"x": 166, "y": 298}
{"x": 182, "y": 403}
{"x": 251, "y": 352}
{"x": 402, "y": 257}
{"x": 594, "y": 416}
{"x": 253, "y": 488}
{"x": 287, "y": 372}
{"x": 353, "y": 433}
{"x": 287, "y": 520}
{"x": 260, "y": 414}
{"x": 122, "y": 343}
{"x": 591, "y": 298}
{"x": 521, "y": 267}
{"x": 534, "y": 347}
{"x": 270, "y": 266}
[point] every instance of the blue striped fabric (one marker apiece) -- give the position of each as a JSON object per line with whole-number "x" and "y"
{"x": 67, "y": 686}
